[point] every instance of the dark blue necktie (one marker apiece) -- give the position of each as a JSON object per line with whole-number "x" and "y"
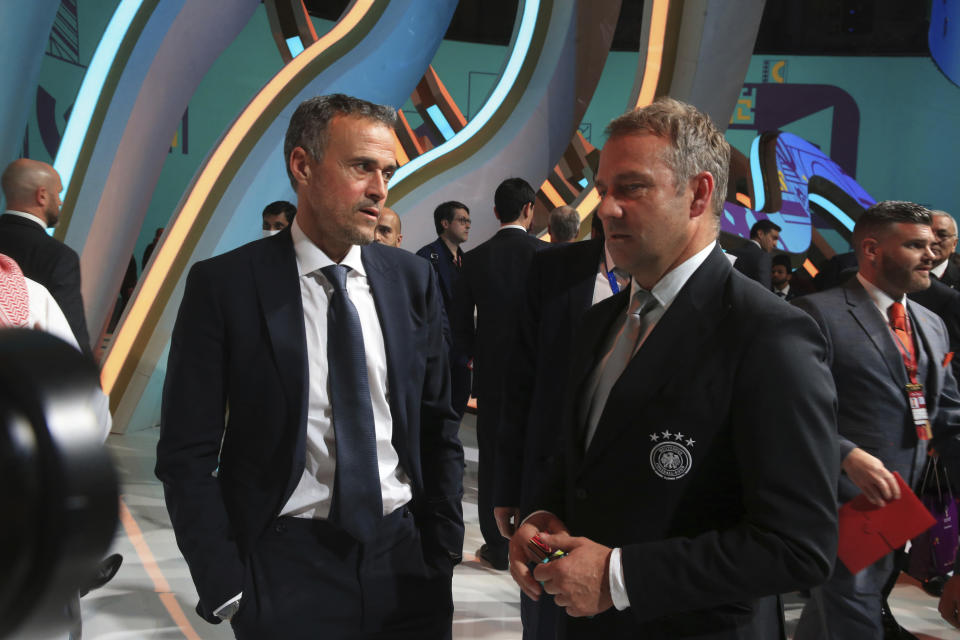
{"x": 357, "y": 500}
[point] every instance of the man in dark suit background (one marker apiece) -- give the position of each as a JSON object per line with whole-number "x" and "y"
{"x": 945, "y": 243}
{"x": 780, "y": 277}
{"x": 328, "y": 503}
{"x": 694, "y": 504}
{"x": 873, "y": 365}
{"x": 493, "y": 280}
{"x": 564, "y": 282}
{"x": 563, "y": 224}
{"x": 452, "y": 222}
{"x": 32, "y": 190}
{"x": 754, "y": 256}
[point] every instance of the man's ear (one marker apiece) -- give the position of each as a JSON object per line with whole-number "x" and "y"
{"x": 41, "y": 196}
{"x": 300, "y": 165}
{"x": 702, "y": 186}
{"x": 870, "y": 248}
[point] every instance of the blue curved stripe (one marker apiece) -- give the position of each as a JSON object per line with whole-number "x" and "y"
{"x": 509, "y": 76}
{"x": 90, "y": 90}
{"x": 832, "y": 209}
{"x": 759, "y": 195}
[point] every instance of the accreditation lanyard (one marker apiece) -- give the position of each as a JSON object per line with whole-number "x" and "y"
{"x": 612, "y": 279}
{"x": 918, "y": 403}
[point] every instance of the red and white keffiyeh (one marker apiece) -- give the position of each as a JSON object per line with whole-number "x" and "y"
{"x": 14, "y": 301}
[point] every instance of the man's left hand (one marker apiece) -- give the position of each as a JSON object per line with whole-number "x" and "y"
{"x": 579, "y": 581}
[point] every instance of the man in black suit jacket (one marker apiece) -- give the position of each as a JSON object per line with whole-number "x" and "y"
{"x": 493, "y": 280}
{"x": 257, "y": 499}
{"x": 780, "y": 276}
{"x": 452, "y": 221}
{"x": 754, "y": 256}
{"x": 32, "y": 190}
{"x": 699, "y": 485}
{"x": 945, "y": 230}
{"x": 564, "y": 282}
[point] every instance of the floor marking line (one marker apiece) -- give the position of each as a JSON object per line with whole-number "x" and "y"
{"x": 160, "y": 584}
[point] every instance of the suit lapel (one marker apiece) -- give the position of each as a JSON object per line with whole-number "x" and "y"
{"x": 388, "y": 298}
{"x": 865, "y": 313}
{"x": 670, "y": 349}
{"x": 923, "y": 336}
{"x": 278, "y": 288}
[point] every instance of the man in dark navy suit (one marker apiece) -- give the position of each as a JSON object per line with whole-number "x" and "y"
{"x": 32, "y": 190}
{"x": 494, "y": 280}
{"x": 452, "y": 221}
{"x": 683, "y": 518}
{"x": 328, "y": 502}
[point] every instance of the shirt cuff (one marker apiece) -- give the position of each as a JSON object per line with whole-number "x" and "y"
{"x": 618, "y": 588}
{"x": 226, "y": 604}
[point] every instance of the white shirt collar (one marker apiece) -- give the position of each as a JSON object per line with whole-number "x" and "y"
{"x": 940, "y": 268}
{"x": 670, "y": 284}
{"x": 310, "y": 257}
{"x": 755, "y": 242}
{"x": 881, "y": 300}
{"x": 28, "y": 216}
{"x": 512, "y": 226}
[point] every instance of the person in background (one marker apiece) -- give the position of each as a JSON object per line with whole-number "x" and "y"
{"x": 32, "y": 190}
{"x": 388, "y": 228}
{"x": 754, "y": 256}
{"x": 780, "y": 276}
{"x": 563, "y": 225}
{"x": 277, "y": 216}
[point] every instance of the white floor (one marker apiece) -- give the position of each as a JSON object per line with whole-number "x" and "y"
{"x": 152, "y": 596}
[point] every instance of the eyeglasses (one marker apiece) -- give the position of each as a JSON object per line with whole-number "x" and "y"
{"x": 943, "y": 234}
{"x": 462, "y": 220}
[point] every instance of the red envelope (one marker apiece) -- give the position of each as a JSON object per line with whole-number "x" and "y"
{"x": 869, "y": 532}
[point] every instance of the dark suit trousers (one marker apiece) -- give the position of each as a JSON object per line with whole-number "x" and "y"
{"x": 488, "y": 420}
{"x": 308, "y": 579}
{"x": 847, "y": 606}
{"x": 763, "y": 620}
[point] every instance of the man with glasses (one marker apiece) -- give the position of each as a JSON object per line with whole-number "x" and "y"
{"x": 452, "y": 220}
{"x": 945, "y": 229}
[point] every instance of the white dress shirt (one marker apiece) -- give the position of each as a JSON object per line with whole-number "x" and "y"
{"x": 940, "y": 269}
{"x": 601, "y": 286}
{"x": 881, "y": 300}
{"x": 313, "y": 494}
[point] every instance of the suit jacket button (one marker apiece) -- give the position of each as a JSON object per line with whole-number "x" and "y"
{"x": 581, "y": 494}
{"x": 279, "y": 527}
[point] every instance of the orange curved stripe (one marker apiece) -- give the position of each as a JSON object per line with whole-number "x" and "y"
{"x": 177, "y": 233}
{"x": 654, "y": 59}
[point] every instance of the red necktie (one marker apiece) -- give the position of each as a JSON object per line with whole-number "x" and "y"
{"x": 898, "y": 322}
{"x": 14, "y": 302}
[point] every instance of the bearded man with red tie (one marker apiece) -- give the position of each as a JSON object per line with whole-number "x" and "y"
{"x": 886, "y": 353}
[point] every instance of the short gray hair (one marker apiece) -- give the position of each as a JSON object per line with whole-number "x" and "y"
{"x": 695, "y": 142}
{"x": 564, "y": 224}
{"x": 308, "y": 126}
